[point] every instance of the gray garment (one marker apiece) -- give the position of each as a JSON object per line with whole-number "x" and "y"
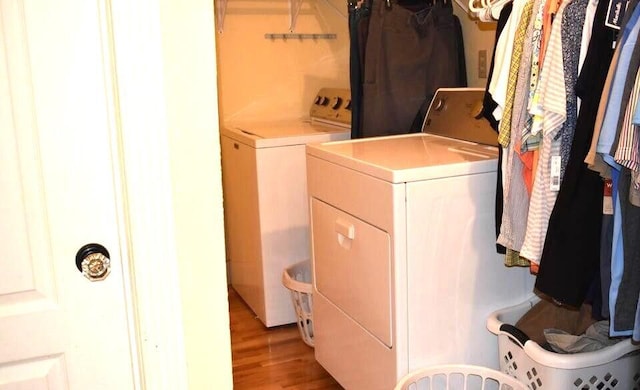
{"x": 516, "y": 197}
{"x": 596, "y": 337}
{"x": 408, "y": 56}
{"x": 629, "y": 289}
{"x": 516, "y": 203}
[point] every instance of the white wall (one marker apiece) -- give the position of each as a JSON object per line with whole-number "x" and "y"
{"x": 189, "y": 68}
{"x": 477, "y": 36}
{"x": 263, "y": 78}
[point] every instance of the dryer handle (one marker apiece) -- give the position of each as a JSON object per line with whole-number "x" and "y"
{"x": 346, "y": 233}
{"x": 345, "y": 229}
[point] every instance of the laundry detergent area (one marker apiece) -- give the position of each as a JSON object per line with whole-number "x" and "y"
{"x": 389, "y": 193}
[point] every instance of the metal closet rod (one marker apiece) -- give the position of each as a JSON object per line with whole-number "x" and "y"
{"x": 300, "y": 36}
{"x": 294, "y": 9}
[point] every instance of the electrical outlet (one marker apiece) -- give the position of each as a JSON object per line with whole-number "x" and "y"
{"x": 482, "y": 64}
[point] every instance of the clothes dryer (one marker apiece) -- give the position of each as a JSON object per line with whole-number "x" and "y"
{"x": 405, "y": 265}
{"x": 266, "y": 203}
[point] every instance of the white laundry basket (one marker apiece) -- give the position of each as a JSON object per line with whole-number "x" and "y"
{"x": 613, "y": 368}
{"x": 297, "y": 278}
{"x": 458, "y": 377}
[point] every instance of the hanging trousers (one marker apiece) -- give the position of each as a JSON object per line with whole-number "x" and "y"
{"x": 358, "y": 31}
{"x": 409, "y": 55}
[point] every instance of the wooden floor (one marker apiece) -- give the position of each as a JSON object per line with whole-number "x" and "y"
{"x": 271, "y": 359}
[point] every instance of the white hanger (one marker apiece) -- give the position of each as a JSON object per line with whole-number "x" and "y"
{"x": 475, "y": 9}
{"x": 496, "y": 8}
{"x": 484, "y": 11}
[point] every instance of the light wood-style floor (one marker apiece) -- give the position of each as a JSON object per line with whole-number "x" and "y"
{"x": 271, "y": 359}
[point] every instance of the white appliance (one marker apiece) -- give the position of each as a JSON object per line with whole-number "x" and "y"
{"x": 266, "y": 203}
{"x": 403, "y": 246}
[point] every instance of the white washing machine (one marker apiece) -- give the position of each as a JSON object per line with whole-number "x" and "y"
{"x": 265, "y": 199}
{"x": 403, "y": 246}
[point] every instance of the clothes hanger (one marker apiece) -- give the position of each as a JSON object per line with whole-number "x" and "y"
{"x": 483, "y": 13}
{"x": 496, "y": 8}
{"x": 474, "y": 9}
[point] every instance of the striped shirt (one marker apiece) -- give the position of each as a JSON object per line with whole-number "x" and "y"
{"x": 553, "y": 102}
{"x": 627, "y": 153}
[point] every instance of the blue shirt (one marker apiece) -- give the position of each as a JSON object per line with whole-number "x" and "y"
{"x": 612, "y": 113}
{"x": 617, "y": 256}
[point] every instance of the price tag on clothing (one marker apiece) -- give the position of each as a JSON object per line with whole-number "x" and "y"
{"x": 555, "y": 173}
{"x": 615, "y": 13}
{"x": 607, "y": 200}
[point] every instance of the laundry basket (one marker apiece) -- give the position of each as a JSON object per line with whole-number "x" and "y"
{"x": 458, "y": 377}
{"x": 616, "y": 367}
{"x": 297, "y": 278}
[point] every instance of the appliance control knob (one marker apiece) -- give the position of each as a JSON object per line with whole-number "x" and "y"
{"x": 324, "y": 101}
{"x": 317, "y": 100}
{"x": 440, "y": 105}
{"x": 347, "y": 105}
{"x": 336, "y": 102}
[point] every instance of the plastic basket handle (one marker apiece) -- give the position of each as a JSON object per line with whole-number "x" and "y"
{"x": 515, "y": 333}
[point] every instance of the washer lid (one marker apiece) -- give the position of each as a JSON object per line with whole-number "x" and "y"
{"x": 410, "y": 157}
{"x": 283, "y": 133}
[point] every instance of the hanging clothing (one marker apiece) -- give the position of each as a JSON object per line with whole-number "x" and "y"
{"x": 606, "y": 140}
{"x": 571, "y": 48}
{"x": 571, "y": 253}
{"x": 581, "y": 106}
{"x": 627, "y": 147}
{"x": 502, "y": 59}
{"x": 488, "y": 107}
{"x": 617, "y": 253}
{"x": 554, "y": 94}
{"x": 516, "y": 206}
{"x": 626, "y": 300}
{"x": 359, "y": 13}
{"x": 409, "y": 55}
{"x": 504, "y": 135}
{"x": 529, "y": 142}
{"x": 616, "y": 96}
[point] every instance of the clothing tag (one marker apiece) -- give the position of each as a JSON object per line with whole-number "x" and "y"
{"x": 555, "y": 173}
{"x": 615, "y": 13}
{"x": 607, "y": 200}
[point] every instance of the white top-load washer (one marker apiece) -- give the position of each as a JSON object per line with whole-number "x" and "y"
{"x": 266, "y": 203}
{"x": 405, "y": 264}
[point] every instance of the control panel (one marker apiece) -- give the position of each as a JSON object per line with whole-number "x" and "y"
{"x": 332, "y": 105}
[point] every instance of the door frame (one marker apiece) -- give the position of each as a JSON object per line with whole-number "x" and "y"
{"x": 166, "y": 142}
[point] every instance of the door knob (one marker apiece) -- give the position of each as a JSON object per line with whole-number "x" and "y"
{"x": 93, "y": 261}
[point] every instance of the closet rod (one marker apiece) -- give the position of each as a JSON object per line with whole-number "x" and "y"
{"x": 300, "y": 36}
{"x": 296, "y": 5}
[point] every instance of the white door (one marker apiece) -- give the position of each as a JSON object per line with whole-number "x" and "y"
{"x": 58, "y": 191}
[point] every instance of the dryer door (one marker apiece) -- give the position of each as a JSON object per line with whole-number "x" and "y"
{"x": 352, "y": 261}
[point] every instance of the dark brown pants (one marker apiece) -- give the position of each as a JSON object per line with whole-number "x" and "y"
{"x": 408, "y": 56}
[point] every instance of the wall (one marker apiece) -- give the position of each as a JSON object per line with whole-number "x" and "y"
{"x": 191, "y": 99}
{"x": 263, "y": 78}
{"x": 477, "y": 36}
